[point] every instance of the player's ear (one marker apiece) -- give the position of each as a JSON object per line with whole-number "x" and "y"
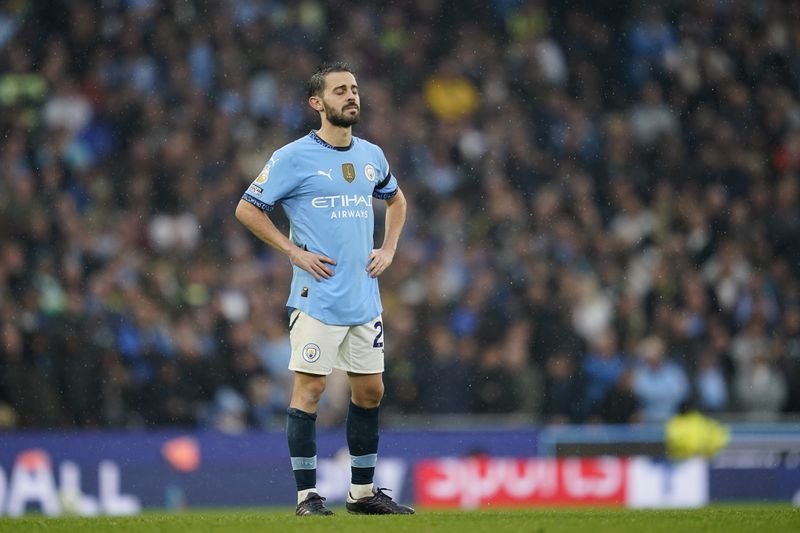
{"x": 315, "y": 103}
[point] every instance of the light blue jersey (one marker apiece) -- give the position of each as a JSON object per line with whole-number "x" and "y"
{"x": 327, "y": 194}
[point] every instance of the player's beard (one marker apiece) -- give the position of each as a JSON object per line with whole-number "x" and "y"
{"x": 339, "y": 119}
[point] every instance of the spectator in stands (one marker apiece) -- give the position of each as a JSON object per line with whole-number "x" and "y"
{"x": 660, "y": 384}
{"x": 711, "y": 385}
{"x": 562, "y": 391}
{"x": 620, "y": 404}
{"x": 444, "y": 379}
{"x": 602, "y": 368}
{"x": 761, "y": 391}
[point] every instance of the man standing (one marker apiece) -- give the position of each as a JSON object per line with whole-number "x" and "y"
{"x": 326, "y": 182}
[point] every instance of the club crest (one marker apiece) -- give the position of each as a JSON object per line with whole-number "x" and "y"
{"x": 369, "y": 172}
{"x": 349, "y": 172}
{"x": 311, "y": 352}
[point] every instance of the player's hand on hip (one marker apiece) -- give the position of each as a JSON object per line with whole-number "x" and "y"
{"x": 379, "y": 260}
{"x": 314, "y": 264}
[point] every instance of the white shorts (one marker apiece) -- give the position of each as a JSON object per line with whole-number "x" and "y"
{"x": 318, "y": 348}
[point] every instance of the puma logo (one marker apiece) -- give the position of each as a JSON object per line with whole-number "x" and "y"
{"x": 326, "y": 174}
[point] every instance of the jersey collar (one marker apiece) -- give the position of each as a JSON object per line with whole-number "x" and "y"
{"x": 320, "y": 140}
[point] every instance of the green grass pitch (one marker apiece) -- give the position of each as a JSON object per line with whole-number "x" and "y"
{"x": 727, "y": 519}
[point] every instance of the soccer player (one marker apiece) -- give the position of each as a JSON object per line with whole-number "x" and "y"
{"x": 326, "y": 182}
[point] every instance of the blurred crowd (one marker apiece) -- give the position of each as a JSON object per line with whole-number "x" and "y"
{"x": 604, "y": 220}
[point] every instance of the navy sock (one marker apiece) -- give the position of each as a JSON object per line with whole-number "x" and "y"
{"x": 301, "y": 432}
{"x": 362, "y": 439}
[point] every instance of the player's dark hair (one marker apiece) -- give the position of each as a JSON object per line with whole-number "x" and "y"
{"x": 316, "y": 84}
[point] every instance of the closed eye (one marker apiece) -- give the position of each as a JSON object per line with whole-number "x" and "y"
{"x": 343, "y": 89}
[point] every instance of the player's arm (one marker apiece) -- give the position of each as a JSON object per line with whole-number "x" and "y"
{"x": 260, "y": 225}
{"x": 380, "y": 259}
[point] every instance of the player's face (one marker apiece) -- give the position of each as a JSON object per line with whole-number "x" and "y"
{"x": 340, "y": 100}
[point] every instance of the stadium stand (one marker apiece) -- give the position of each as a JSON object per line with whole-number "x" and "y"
{"x": 604, "y": 211}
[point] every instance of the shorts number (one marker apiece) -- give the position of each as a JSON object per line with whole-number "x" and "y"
{"x": 378, "y": 343}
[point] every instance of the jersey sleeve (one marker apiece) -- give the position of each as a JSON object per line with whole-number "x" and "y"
{"x": 275, "y": 182}
{"x": 387, "y": 186}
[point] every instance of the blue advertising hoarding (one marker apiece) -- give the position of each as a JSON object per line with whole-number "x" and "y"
{"x": 124, "y": 472}
{"x": 115, "y": 473}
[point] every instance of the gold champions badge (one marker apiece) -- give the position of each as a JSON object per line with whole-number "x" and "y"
{"x": 349, "y": 172}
